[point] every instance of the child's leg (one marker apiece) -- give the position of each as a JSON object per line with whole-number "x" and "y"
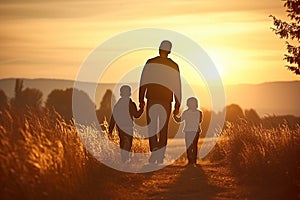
{"x": 188, "y": 144}
{"x": 126, "y": 144}
{"x": 195, "y": 148}
{"x": 122, "y": 144}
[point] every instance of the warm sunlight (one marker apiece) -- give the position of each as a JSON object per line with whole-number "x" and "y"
{"x": 53, "y": 43}
{"x": 160, "y": 99}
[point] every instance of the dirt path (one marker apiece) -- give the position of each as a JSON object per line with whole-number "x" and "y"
{"x": 205, "y": 181}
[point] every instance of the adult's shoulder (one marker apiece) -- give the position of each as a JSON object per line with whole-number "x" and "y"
{"x": 173, "y": 63}
{"x": 153, "y": 60}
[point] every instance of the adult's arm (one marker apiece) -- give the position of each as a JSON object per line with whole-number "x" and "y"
{"x": 134, "y": 111}
{"x": 177, "y": 92}
{"x": 177, "y": 119}
{"x": 142, "y": 87}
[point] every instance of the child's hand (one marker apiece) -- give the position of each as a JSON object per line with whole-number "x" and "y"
{"x": 109, "y": 135}
{"x": 176, "y": 111}
{"x": 176, "y": 118}
{"x": 142, "y": 106}
{"x": 110, "y": 131}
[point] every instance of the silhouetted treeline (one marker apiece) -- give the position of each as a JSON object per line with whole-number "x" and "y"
{"x": 235, "y": 114}
{"x": 105, "y": 110}
{"x": 272, "y": 121}
{"x": 26, "y": 98}
{"x": 3, "y": 100}
{"x": 60, "y": 101}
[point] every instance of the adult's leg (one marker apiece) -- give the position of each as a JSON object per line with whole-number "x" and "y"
{"x": 152, "y": 125}
{"x": 164, "y": 117}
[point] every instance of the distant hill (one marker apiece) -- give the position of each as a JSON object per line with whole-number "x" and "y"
{"x": 279, "y": 98}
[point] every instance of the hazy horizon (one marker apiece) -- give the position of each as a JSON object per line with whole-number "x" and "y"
{"x": 266, "y": 98}
{"x": 59, "y": 79}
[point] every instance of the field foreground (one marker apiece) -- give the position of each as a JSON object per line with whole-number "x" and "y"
{"x": 42, "y": 157}
{"x": 205, "y": 181}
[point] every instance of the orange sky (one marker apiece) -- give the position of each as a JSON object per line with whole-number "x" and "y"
{"x": 51, "y": 39}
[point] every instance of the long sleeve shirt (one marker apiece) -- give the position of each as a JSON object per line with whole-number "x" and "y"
{"x": 160, "y": 80}
{"x": 192, "y": 120}
{"x": 123, "y": 113}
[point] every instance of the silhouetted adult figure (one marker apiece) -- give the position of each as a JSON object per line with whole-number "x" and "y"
{"x": 160, "y": 82}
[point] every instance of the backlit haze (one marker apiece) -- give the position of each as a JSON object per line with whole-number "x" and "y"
{"x": 50, "y": 39}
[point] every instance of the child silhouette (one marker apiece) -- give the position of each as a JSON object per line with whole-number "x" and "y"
{"x": 123, "y": 113}
{"x": 192, "y": 117}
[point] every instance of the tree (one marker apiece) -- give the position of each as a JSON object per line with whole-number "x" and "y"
{"x": 105, "y": 110}
{"x": 252, "y": 117}
{"x": 290, "y": 30}
{"x": 3, "y": 100}
{"x": 26, "y": 98}
{"x": 61, "y": 102}
{"x": 234, "y": 113}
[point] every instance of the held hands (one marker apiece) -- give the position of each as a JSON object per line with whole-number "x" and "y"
{"x": 175, "y": 115}
{"x": 176, "y": 118}
{"x": 142, "y": 105}
{"x": 176, "y": 111}
{"x": 110, "y": 133}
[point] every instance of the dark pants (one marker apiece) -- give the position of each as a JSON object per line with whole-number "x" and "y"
{"x": 191, "y": 142}
{"x": 158, "y": 123}
{"x": 125, "y": 144}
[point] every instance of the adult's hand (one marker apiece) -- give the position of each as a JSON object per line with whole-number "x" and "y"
{"x": 142, "y": 104}
{"x": 176, "y": 111}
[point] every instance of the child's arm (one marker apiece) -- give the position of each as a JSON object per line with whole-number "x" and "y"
{"x": 201, "y": 117}
{"x": 133, "y": 109}
{"x": 200, "y": 120}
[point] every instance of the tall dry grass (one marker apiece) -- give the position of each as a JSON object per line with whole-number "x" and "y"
{"x": 41, "y": 156}
{"x": 269, "y": 157}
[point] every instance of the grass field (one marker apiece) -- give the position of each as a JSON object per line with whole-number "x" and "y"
{"x": 42, "y": 156}
{"x": 268, "y": 158}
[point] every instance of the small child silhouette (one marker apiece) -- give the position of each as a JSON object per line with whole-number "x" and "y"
{"x": 192, "y": 118}
{"x": 123, "y": 113}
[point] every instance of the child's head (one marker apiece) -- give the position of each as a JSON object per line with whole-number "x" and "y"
{"x": 192, "y": 103}
{"x": 125, "y": 91}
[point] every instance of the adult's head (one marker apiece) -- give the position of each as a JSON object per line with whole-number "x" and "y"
{"x": 125, "y": 91}
{"x": 165, "y": 48}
